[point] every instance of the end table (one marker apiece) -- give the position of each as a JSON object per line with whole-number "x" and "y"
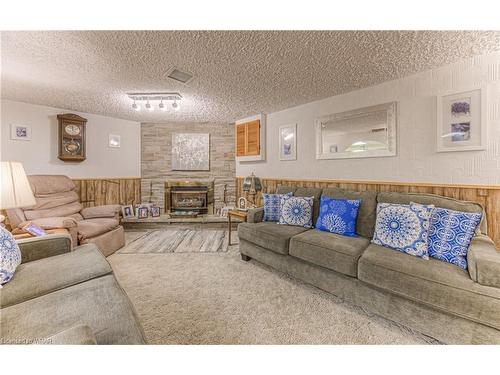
{"x": 237, "y": 214}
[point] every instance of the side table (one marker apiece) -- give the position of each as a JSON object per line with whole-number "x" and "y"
{"x": 237, "y": 214}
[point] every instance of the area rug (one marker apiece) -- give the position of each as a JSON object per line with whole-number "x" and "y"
{"x": 178, "y": 241}
{"x": 216, "y": 298}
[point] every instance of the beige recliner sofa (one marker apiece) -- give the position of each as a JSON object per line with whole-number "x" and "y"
{"x": 58, "y": 206}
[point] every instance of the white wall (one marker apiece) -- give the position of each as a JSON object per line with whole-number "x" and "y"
{"x": 39, "y": 156}
{"x": 417, "y": 159}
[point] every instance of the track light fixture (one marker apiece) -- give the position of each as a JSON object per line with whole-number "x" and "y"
{"x": 155, "y": 97}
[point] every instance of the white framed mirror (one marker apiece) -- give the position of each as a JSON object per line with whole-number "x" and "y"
{"x": 367, "y": 132}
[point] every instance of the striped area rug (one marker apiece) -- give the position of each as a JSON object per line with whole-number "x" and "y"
{"x": 179, "y": 241}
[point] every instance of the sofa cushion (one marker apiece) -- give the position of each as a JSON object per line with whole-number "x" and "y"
{"x": 436, "y": 200}
{"x": 310, "y": 192}
{"x": 50, "y": 184}
{"x": 43, "y": 276}
{"x": 64, "y": 210}
{"x": 285, "y": 189}
{"x": 365, "y": 223}
{"x": 329, "y": 250}
{"x": 271, "y": 236}
{"x": 431, "y": 282}
{"x": 94, "y": 227}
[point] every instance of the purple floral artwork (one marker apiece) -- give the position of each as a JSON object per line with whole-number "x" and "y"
{"x": 460, "y": 132}
{"x": 461, "y": 107}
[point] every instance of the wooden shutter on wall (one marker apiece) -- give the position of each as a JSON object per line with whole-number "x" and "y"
{"x": 241, "y": 140}
{"x": 248, "y": 138}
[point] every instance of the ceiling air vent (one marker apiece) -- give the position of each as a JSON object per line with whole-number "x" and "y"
{"x": 180, "y": 76}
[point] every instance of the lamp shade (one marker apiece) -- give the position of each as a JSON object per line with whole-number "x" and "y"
{"x": 16, "y": 190}
{"x": 252, "y": 183}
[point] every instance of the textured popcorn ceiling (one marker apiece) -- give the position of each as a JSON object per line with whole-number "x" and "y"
{"x": 236, "y": 73}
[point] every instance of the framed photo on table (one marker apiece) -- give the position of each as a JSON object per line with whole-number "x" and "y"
{"x": 288, "y": 142}
{"x": 461, "y": 121}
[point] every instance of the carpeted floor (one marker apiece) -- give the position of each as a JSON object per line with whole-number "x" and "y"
{"x": 216, "y": 298}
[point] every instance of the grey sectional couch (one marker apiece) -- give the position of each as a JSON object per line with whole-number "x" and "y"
{"x": 434, "y": 297}
{"x": 59, "y": 296}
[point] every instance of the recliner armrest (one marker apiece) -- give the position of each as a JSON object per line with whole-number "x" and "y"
{"x": 106, "y": 211}
{"x": 43, "y": 247}
{"x": 55, "y": 222}
{"x": 255, "y": 215}
{"x": 483, "y": 261}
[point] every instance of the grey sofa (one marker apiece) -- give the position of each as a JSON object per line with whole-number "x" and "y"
{"x": 59, "y": 296}
{"x": 433, "y": 297}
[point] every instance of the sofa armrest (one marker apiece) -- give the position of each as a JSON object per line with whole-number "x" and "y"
{"x": 109, "y": 210}
{"x": 255, "y": 215}
{"x": 483, "y": 261}
{"x": 55, "y": 222}
{"x": 77, "y": 335}
{"x": 43, "y": 247}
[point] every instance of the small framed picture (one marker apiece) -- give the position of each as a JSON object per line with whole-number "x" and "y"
{"x": 142, "y": 212}
{"x": 288, "y": 142}
{"x": 114, "y": 141}
{"x": 242, "y": 203}
{"x": 155, "y": 211}
{"x": 20, "y": 132}
{"x": 461, "y": 121}
{"x": 128, "y": 211}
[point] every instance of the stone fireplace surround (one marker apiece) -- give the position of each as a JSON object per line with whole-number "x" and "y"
{"x": 156, "y": 166}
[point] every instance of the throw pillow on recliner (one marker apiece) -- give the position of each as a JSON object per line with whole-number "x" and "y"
{"x": 10, "y": 256}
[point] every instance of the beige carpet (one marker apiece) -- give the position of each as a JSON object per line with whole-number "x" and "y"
{"x": 216, "y": 298}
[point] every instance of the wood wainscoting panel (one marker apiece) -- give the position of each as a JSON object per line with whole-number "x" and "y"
{"x": 486, "y": 195}
{"x": 100, "y": 191}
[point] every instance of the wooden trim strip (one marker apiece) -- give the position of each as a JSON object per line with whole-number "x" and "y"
{"x": 393, "y": 183}
{"x": 104, "y": 178}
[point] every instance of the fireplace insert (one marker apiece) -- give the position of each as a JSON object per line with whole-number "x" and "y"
{"x": 188, "y": 200}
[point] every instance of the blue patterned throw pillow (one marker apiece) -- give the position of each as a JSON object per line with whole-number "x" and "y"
{"x": 10, "y": 256}
{"x": 450, "y": 233}
{"x": 403, "y": 227}
{"x": 296, "y": 211}
{"x": 272, "y": 206}
{"x": 338, "y": 216}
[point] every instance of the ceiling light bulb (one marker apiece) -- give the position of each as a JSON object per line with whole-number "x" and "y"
{"x": 175, "y": 106}
{"x": 149, "y": 107}
{"x": 162, "y": 106}
{"x": 136, "y": 107}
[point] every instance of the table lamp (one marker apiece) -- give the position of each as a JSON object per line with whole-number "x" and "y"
{"x": 16, "y": 190}
{"x": 252, "y": 185}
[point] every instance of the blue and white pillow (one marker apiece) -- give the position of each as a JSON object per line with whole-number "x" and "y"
{"x": 403, "y": 227}
{"x": 450, "y": 233}
{"x": 338, "y": 216}
{"x": 296, "y": 211}
{"x": 10, "y": 256}
{"x": 272, "y": 204}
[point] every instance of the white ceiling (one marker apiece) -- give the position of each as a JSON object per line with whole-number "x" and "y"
{"x": 237, "y": 73}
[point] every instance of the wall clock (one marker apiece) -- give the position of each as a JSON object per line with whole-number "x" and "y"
{"x": 71, "y": 137}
